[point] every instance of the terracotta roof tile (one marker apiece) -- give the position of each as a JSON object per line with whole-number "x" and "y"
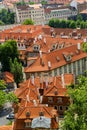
{"x": 38, "y": 67}
{"x": 6, "y": 128}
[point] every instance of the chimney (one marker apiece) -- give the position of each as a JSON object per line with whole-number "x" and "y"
{"x": 84, "y": 40}
{"x": 40, "y": 54}
{"x": 62, "y": 79}
{"x": 27, "y": 96}
{"x": 46, "y": 82}
{"x": 44, "y": 40}
{"x": 41, "y": 98}
{"x": 49, "y": 64}
{"x": 34, "y": 101}
{"x": 32, "y": 79}
{"x": 40, "y": 57}
{"x": 78, "y": 46}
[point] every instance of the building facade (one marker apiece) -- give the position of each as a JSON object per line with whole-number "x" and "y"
{"x": 59, "y": 13}
{"x": 34, "y": 12}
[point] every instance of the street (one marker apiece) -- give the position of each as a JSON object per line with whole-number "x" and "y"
{"x": 3, "y": 113}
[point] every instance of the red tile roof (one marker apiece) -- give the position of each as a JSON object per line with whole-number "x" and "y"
{"x": 8, "y": 77}
{"x": 52, "y": 57}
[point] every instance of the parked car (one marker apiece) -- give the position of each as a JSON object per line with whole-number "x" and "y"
{"x": 10, "y": 116}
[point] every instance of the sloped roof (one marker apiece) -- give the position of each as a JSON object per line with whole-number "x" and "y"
{"x": 52, "y": 57}
{"x": 27, "y": 89}
{"x": 33, "y": 110}
{"x": 8, "y": 77}
{"x": 6, "y": 128}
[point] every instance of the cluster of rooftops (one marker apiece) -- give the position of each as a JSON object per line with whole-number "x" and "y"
{"x": 44, "y": 49}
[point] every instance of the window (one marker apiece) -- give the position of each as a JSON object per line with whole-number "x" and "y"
{"x": 59, "y": 100}
{"x": 60, "y": 70}
{"x": 65, "y": 69}
{"x": 55, "y": 72}
{"x": 27, "y": 123}
{"x": 56, "y": 107}
{"x": 69, "y": 68}
{"x": 68, "y": 58}
{"x": 50, "y": 99}
{"x": 60, "y": 108}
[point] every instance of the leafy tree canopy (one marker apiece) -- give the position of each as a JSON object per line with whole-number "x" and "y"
{"x": 16, "y": 69}
{"x": 2, "y": 98}
{"x": 56, "y": 23}
{"x": 11, "y": 97}
{"x": 2, "y": 85}
{"x": 6, "y": 16}
{"x": 1, "y": 23}
{"x": 43, "y": 2}
{"x": 8, "y": 51}
{"x": 76, "y": 116}
{"x": 84, "y": 46}
{"x": 28, "y": 22}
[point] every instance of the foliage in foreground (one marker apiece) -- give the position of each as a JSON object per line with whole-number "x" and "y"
{"x": 16, "y": 70}
{"x": 76, "y": 116}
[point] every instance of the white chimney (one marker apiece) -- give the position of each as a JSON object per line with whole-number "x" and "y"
{"x": 63, "y": 82}
{"x": 41, "y": 98}
{"x": 57, "y": 119}
{"x": 78, "y": 46}
{"x": 45, "y": 40}
{"x": 32, "y": 79}
{"x": 40, "y": 54}
{"x": 34, "y": 101}
{"x": 27, "y": 96}
{"x": 84, "y": 40}
{"x": 34, "y": 41}
{"x": 49, "y": 51}
{"x": 49, "y": 64}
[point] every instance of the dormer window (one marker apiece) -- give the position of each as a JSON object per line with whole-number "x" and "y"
{"x": 59, "y": 100}
{"x": 36, "y": 48}
{"x": 54, "y": 46}
{"x": 41, "y": 113}
{"x": 50, "y": 99}
{"x": 68, "y": 58}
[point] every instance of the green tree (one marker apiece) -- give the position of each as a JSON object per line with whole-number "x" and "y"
{"x": 31, "y": 3}
{"x": 7, "y": 16}
{"x": 8, "y": 51}
{"x": 2, "y": 85}
{"x": 72, "y": 24}
{"x": 82, "y": 24}
{"x": 11, "y": 97}
{"x": 63, "y": 23}
{"x": 28, "y": 22}
{"x": 16, "y": 69}
{"x": 2, "y": 98}
{"x": 57, "y": 23}
{"x": 79, "y": 17}
{"x": 43, "y": 2}
{"x": 84, "y": 46}
{"x": 1, "y": 23}
{"x": 51, "y": 22}
{"x": 76, "y": 116}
